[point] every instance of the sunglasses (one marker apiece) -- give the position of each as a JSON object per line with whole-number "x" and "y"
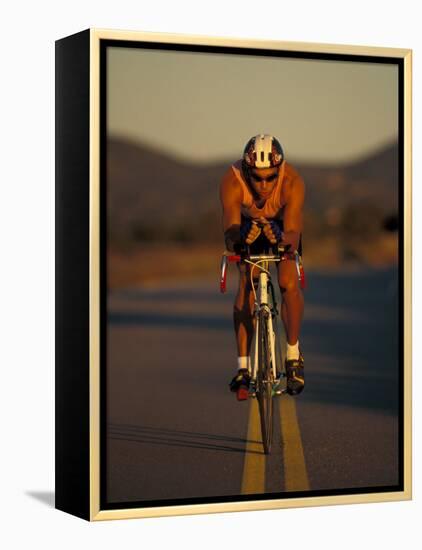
{"x": 259, "y": 179}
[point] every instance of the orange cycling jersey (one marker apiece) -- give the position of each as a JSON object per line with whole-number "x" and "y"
{"x": 273, "y": 206}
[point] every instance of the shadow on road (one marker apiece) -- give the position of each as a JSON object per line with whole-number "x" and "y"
{"x": 178, "y": 438}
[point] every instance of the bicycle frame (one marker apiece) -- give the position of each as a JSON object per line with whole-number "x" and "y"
{"x": 265, "y": 376}
{"x": 261, "y": 301}
{"x": 261, "y": 304}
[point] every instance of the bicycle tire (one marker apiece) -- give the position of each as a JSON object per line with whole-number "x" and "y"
{"x": 265, "y": 384}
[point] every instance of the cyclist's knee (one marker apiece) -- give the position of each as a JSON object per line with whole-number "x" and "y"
{"x": 288, "y": 282}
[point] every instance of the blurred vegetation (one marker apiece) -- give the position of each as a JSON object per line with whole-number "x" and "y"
{"x": 359, "y": 232}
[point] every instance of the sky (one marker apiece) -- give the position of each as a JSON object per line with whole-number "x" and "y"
{"x": 204, "y": 107}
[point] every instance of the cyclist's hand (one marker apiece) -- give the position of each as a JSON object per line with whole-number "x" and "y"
{"x": 291, "y": 238}
{"x": 271, "y": 230}
{"x": 250, "y": 231}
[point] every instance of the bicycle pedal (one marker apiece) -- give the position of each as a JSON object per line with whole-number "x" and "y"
{"x": 242, "y": 394}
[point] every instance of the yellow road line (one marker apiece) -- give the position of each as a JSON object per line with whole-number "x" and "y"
{"x": 253, "y": 480}
{"x": 295, "y": 474}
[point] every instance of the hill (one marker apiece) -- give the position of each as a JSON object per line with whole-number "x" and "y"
{"x": 153, "y": 199}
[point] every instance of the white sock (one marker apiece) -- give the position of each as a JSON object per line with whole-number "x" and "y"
{"x": 244, "y": 363}
{"x": 293, "y": 351}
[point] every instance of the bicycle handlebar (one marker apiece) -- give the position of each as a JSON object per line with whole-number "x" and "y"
{"x": 246, "y": 256}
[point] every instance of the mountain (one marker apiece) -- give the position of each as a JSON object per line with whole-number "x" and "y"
{"x": 145, "y": 188}
{"x": 374, "y": 179}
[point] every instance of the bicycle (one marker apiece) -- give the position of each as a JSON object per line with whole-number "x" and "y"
{"x": 268, "y": 369}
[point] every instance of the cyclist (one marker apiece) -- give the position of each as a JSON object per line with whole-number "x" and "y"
{"x": 262, "y": 198}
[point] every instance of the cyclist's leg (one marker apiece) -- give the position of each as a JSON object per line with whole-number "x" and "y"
{"x": 244, "y": 322}
{"x": 243, "y": 312}
{"x": 284, "y": 314}
{"x": 244, "y": 325}
{"x": 293, "y": 303}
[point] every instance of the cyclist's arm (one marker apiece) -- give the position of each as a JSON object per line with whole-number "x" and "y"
{"x": 293, "y": 213}
{"x": 231, "y": 200}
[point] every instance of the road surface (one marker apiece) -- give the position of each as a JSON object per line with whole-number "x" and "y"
{"x": 174, "y": 431}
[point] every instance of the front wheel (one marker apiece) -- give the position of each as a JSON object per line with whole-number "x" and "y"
{"x": 265, "y": 383}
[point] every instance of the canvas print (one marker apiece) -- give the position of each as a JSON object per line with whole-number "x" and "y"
{"x": 251, "y": 305}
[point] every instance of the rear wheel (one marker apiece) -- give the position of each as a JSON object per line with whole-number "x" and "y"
{"x": 265, "y": 383}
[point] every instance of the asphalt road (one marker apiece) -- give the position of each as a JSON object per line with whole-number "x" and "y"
{"x": 174, "y": 431}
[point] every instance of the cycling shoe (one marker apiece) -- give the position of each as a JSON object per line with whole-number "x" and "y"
{"x": 240, "y": 384}
{"x": 295, "y": 375}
